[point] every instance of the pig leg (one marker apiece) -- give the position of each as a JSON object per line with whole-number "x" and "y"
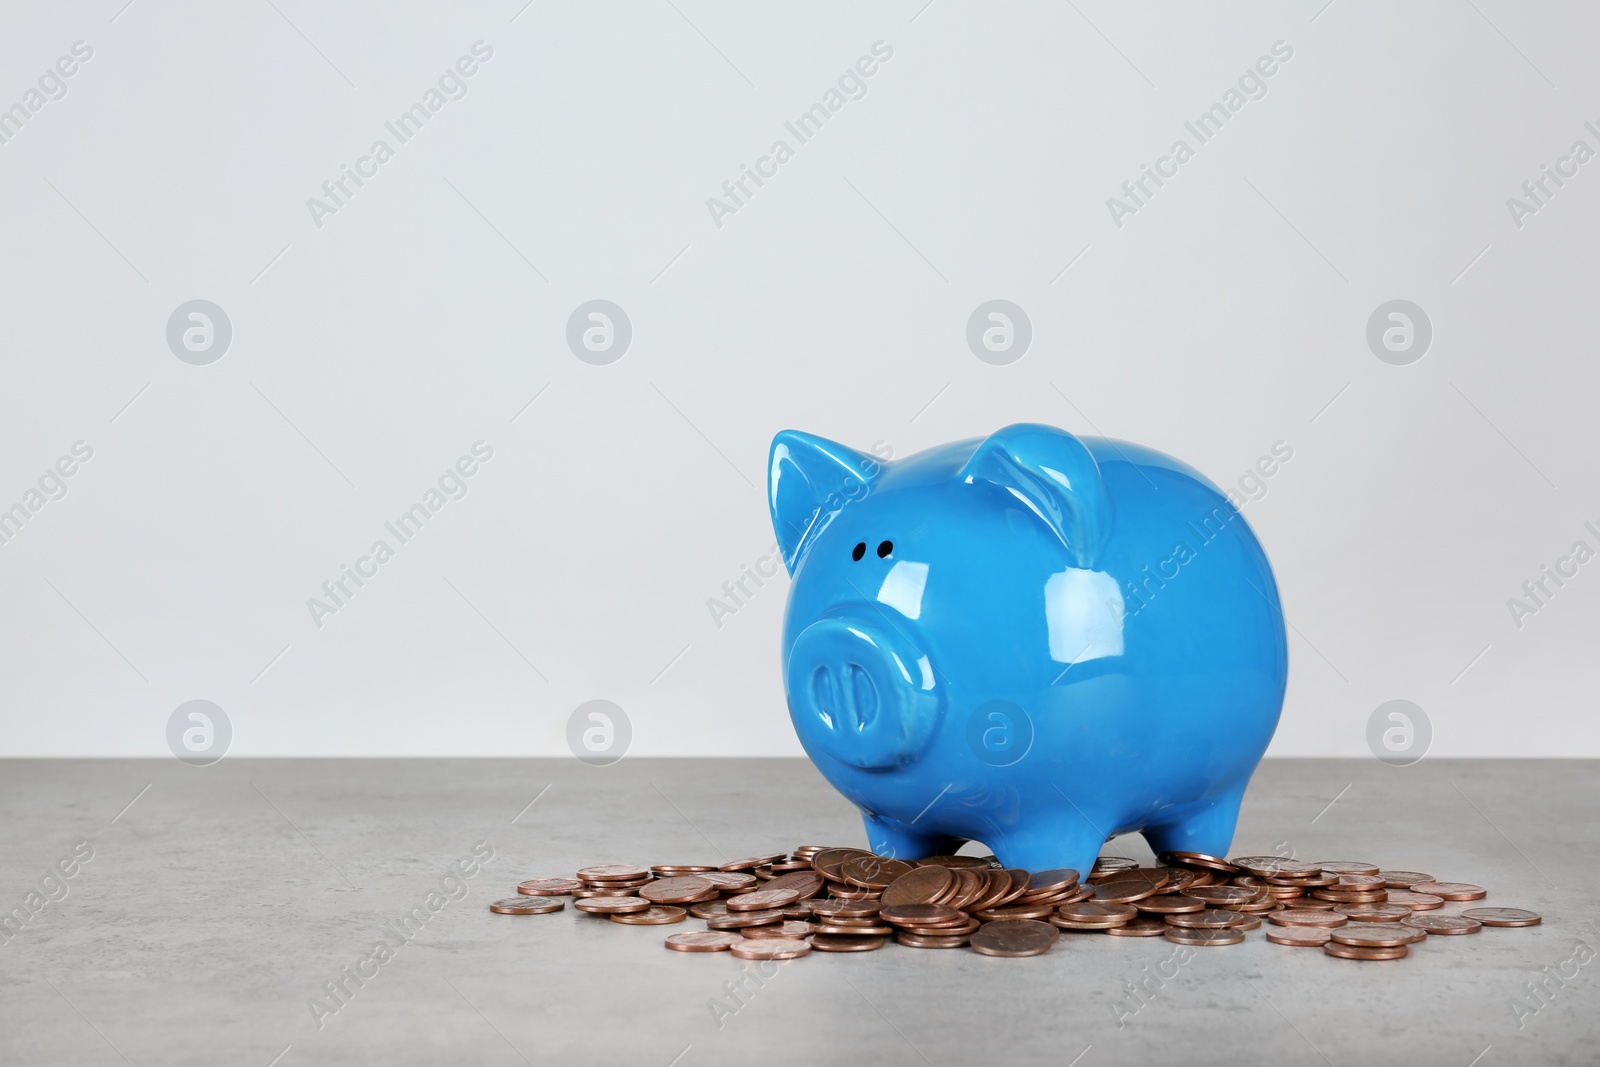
{"x": 1208, "y": 830}
{"x": 888, "y": 837}
{"x": 1047, "y": 842}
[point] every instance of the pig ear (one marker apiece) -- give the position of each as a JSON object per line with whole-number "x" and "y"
{"x": 809, "y": 479}
{"x": 1053, "y": 473}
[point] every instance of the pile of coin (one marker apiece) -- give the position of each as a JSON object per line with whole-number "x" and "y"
{"x": 786, "y": 905}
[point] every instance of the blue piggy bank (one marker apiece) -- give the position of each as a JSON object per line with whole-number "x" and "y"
{"x": 1034, "y": 640}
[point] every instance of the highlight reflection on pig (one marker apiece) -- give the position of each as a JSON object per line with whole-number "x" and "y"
{"x": 1035, "y": 641}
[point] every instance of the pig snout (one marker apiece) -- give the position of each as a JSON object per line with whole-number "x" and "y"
{"x": 863, "y": 693}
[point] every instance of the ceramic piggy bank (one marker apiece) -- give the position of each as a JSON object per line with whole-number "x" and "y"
{"x": 1036, "y": 641}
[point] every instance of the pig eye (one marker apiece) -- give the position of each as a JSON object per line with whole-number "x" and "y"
{"x": 861, "y": 550}
{"x": 885, "y": 548}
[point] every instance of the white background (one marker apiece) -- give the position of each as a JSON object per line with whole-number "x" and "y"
{"x": 368, "y": 354}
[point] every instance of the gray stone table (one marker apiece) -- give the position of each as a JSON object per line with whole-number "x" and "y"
{"x": 217, "y": 902}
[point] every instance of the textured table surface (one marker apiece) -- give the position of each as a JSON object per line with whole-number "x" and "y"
{"x": 222, "y": 899}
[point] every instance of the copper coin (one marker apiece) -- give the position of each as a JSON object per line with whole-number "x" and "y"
{"x": 549, "y": 887}
{"x": 702, "y": 941}
{"x": 1160, "y": 877}
{"x": 1403, "y": 879}
{"x": 1305, "y": 936}
{"x": 1451, "y": 890}
{"x": 1105, "y": 864}
{"x": 1015, "y": 937}
{"x": 746, "y": 864}
{"x": 994, "y": 885}
{"x": 828, "y": 861}
{"x": 1053, "y": 900}
{"x": 1094, "y": 914}
{"x": 611, "y": 905}
{"x": 794, "y": 930}
{"x": 1335, "y": 890}
{"x": 920, "y": 914}
{"x": 1415, "y": 901}
{"x": 762, "y": 899}
{"x": 1269, "y": 904}
{"x": 1170, "y": 904}
{"x": 526, "y": 905}
{"x": 614, "y": 872}
{"x": 1365, "y": 952}
{"x": 1123, "y": 890}
{"x": 1307, "y": 917}
{"x": 656, "y": 916}
{"x": 834, "y": 930}
{"x": 1247, "y": 922}
{"x": 1021, "y": 881}
{"x": 735, "y": 920}
{"x": 1375, "y": 913}
{"x": 1276, "y": 867}
{"x": 1223, "y": 894}
{"x": 800, "y": 909}
{"x": 970, "y": 884}
{"x": 1144, "y": 926}
{"x": 708, "y": 909}
{"x": 1328, "y": 883}
{"x": 1054, "y": 894}
{"x": 920, "y": 885}
{"x": 1381, "y": 935}
{"x": 840, "y": 891}
{"x": 872, "y": 872}
{"x": 1444, "y": 924}
{"x": 770, "y": 948}
{"x": 1198, "y": 859}
{"x": 1082, "y": 893}
{"x": 952, "y": 861}
{"x": 793, "y": 865}
{"x": 848, "y": 920}
{"x": 1180, "y": 936}
{"x": 911, "y": 940}
{"x": 1358, "y": 881}
{"x": 1347, "y": 867}
{"x": 618, "y": 891}
{"x": 838, "y": 943}
{"x": 1314, "y": 880}
{"x": 1503, "y": 916}
{"x": 1016, "y": 911}
{"x": 807, "y": 883}
{"x": 729, "y": 880}
{"x": 865, "y": 909}
{"x": 1059, "y": 878}
{"x": 669, "y": 870}
{"x": 1340, "y": 896}
{"x": 1210, "y": 919}
{"x": 676, "y": 890}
